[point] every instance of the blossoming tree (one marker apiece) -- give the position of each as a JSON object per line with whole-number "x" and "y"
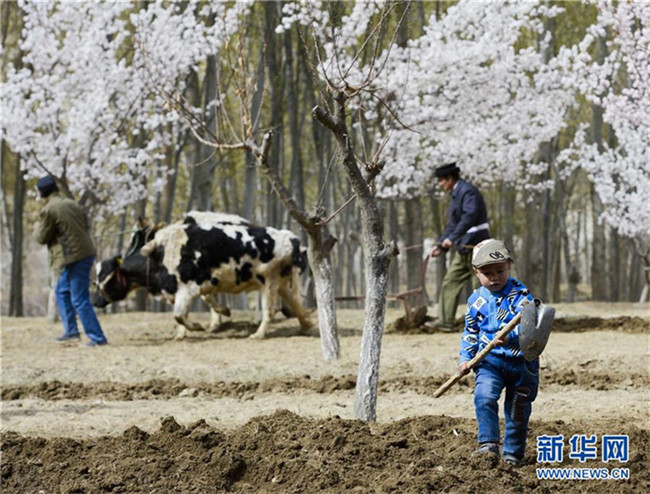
{"x": 619, "y": 168}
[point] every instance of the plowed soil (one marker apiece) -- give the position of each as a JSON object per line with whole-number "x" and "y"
{"x": 218, "y": 412}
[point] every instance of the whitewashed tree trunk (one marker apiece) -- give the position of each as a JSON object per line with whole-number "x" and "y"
{"x": 324, "y": 288}
{"x": 377, "y": 257}
{"x": 377, "y": 263}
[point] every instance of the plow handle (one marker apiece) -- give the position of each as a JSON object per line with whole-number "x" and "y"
{"x": 480, "y": 355}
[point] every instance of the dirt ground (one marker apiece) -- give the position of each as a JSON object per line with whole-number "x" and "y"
{"x": 218, "y": 412}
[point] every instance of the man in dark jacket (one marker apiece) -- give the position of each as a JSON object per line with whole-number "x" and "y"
{"x": 466, "y": 227}
{"x": 64, "y": 228}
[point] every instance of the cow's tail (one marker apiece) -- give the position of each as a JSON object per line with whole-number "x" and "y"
{"x": 298, "y": 255}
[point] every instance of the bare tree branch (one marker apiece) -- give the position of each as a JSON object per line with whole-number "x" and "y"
{"x": 335, "y": 213}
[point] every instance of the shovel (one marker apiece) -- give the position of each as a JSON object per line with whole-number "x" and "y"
{"x": 541, "y": 314}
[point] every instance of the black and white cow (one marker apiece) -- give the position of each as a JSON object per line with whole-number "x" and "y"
{"x": 204, "y": 255}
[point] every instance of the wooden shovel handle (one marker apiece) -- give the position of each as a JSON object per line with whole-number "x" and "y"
{"x": 480, "y": 355}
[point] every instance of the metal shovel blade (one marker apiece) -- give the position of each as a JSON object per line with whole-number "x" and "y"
{"x": 535, "y": 329}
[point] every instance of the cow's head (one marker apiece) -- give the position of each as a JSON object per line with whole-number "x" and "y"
{"x": 112, "y": 284}
{"x": 113, "y": 281}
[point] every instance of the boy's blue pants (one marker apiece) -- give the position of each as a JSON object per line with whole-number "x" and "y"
{"x": 521, "y": 380}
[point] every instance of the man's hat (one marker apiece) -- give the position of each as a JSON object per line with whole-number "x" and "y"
{"x": 46, "y": 185}
{"x": 490, "y": 251}
{"x": 446, "y": 170}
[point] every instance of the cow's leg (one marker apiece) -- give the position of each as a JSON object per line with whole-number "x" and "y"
{"x": 170, "y": 298}
{"x": 216, "y": 310}
{"x": 268, "y": 291}
{"x": 291, "y": 295}
{"x": 182, "y": 303}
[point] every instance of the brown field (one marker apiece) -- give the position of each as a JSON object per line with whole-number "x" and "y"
{"x": 218, "y": 412}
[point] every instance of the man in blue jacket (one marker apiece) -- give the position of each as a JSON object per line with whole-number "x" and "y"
{"x": 466, "y": 227}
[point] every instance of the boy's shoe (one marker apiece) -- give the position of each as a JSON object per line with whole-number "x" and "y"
{"x": 93, "y": 343}
{"x": 67, "y": 337}
{"x": 512, "y": 460}
{"x": 487, "y": 448}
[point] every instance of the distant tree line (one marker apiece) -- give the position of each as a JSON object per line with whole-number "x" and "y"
{"x": 155, "y": 108}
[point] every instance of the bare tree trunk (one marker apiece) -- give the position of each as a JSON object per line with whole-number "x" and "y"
{"x": 352, "y": 288}
{"x": 599, "y": 279}
{"x": 626, "y": 285}
{"x": 576, "y": 276}
{"x": 250, "y": 181}
{"x": 586, "y": 261}
{"x": 276, "y": 95}
{"x": 440, "y": 261}
{"x": 140, "y": 299}
{"x": 599, "y": 271}
{"x": 194, "y": 149}
{"x": 393, "y": 229}
{"x": 556, "y": 228}
{"x": 250, "y": 187}
{"x": 524, "y": 255}
{"x": 205, "y": 160}
{"x": 569, "y": 268}
{"x": 507, "y": 200}
{"x": 6, "y": 222}
{"x": 377, "y": 257}
{"x": 16, "y": 290}
{"x": 615, "y": 262}
{"x": 531, "y": 253}
{"x": 120, "y": 238}
{"x": 208, "y": 157}
{"x": 297, "y": 179}
{"x": 556, "y": 243}
{"x": 545, "y": 154}
{"x": 11, "y": 23}
{"x": 348, "y": 249}
{"x": 643, "y": 250}
{"x": 632, "y": 275}
{"x": 174, "y": 155}
{"x": 413, "y": 209}
{"x": 169, "y": 195}
{"x": 157, "y": 304}
{"x": 545, "y": 238}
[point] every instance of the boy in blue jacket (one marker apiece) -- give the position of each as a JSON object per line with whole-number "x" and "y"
{"x": 489, "y": 308}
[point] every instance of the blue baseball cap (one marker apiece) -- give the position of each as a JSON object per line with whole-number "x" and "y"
{"x": 46, "y": 185}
